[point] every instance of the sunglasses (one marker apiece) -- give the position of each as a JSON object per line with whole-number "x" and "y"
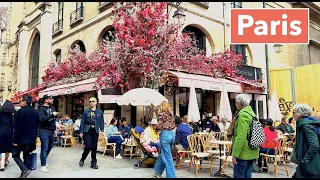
{"x": 91, "y": 101}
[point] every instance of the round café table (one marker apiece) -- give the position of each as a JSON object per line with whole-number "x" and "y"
{"x": 220, "y": 143}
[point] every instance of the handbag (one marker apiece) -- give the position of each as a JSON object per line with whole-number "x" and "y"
{"x": 32, "y": 161}
{"x": 293, "y": 156}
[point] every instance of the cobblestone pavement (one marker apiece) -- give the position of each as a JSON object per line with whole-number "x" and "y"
{"x": 64, "y": 163}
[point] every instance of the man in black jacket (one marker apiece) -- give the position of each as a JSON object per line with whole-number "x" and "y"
{"x": 47, "y": 127}
{"x": 24, "y": 136}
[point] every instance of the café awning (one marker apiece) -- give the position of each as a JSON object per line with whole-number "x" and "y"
{"x": 207, "y": 82}
{"x": 247, "y": 83}
{"x": 77, "y": 87}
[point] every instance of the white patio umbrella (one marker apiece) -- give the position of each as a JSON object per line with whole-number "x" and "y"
{"x": 225, "y": 108}
{"x": 193, "y": 109}
{"x": 274, "y": 110}
{"x": 141, "y": 97}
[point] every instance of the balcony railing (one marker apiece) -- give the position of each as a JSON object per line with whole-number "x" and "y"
{"x": 236, "y": 4}
{"x": 76, "y": 16}
{"x": 57, "y": 27}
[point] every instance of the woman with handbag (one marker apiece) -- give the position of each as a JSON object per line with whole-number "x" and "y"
{"x": 167, "y": 137}
{"x": 6, "y": 129}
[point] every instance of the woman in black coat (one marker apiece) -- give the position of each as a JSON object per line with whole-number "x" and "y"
{"x": 7, "y": 112}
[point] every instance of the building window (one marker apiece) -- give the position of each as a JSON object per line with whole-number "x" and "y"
{"x": 236, "y": 4}
{"x": 109, "y": 35}
{"x": 81, "y": 44}
{"x": 34, "y": 61}
{"x": 58, "y": 26}
{"x": 77, "y": 15}
{"x": 57, "y": 56}
{"x": 60, "y": 11}
{"x": 197, "y": 35}
{"x": 240, "y": 49}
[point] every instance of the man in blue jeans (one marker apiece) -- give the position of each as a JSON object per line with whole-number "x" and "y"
{"x": 47, "y": 116}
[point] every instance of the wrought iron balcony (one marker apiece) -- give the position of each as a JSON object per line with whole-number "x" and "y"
{"x": 76, "y": 16}
{"x": 104, "y": 5}
{"x": 57, "y": 27}
{"x": 236, "y": 4}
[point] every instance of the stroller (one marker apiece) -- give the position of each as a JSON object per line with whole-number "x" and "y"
{"x": 147, "y": 158}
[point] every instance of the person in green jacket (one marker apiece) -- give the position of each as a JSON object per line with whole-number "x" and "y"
{"x": 307, "y": 142}
{"x": 243, "y": 156}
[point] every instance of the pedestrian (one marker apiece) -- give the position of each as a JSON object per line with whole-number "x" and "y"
{"x": 47, "y": 116}
{"x": 243, "y": 155}
{"x": 7, "y": 112}
{"x": 25, "y": 132}
{"x": 166, "y": 125}
{"x": 307, "y": 142}
{"x": 92, "y": 121}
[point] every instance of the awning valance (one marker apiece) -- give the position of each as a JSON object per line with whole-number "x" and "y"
{"x": 77, "y": 87}
{"x": 207, "y": 82}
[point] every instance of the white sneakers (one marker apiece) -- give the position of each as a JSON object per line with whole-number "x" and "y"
{"x": 118, "y": 156}
{"x": 44, "y": 169}
{"x": 47, "y": 165}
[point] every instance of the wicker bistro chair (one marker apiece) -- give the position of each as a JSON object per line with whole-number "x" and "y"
{"x": 109, "y": 146}
{"x": 198, "y": 148}
{"x": 212, "y": 148}
{"x": 67, "y": 138}
{"x": 278, "y": 155}
{"x": 179, "y": 158}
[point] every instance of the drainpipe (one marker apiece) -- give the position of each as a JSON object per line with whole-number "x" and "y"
{"x": 267, "y": 64}
{"x": 224, "y": 25}
{"x": 293, "y": 90}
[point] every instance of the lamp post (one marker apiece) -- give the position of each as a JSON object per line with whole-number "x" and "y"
{"x": 178, "y": 14}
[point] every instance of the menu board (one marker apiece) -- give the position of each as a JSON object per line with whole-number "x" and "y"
{"x": 108, "y": 115}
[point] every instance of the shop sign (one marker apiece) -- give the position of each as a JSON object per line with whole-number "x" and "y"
{"x": 70, "y": 91}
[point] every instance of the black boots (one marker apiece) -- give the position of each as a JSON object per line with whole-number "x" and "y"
{"x": 94, "y": 165}
{"x": 81, "y": 163}
{"x": 25, "y": 174}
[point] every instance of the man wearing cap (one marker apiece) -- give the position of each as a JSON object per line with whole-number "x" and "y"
{"x": 24, "y": 135}
{"x": 47, "y": 115}
{"x": 91, "y": 125}
{"x": 150, "y": 136}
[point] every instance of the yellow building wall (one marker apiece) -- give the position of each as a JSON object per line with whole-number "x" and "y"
{"x": 280, "y": 81}
{"x": 307, "y": 83}
{"x": 9, "y": 51}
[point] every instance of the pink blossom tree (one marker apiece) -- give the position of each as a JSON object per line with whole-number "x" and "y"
{"x": 146, "y": 47}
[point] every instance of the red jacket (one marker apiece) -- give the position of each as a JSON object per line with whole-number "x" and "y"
{"x": 270, "y": 136}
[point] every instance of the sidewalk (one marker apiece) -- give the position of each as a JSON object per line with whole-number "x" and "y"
{"x": 65, "y": 163}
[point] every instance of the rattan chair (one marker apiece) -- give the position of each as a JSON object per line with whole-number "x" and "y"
{"x": 278, "y": 155}
{"x": 198, "y": 148}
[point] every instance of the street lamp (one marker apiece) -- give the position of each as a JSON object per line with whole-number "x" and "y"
{"x": 277, "y": 48}
{"x": 178, "y": 14}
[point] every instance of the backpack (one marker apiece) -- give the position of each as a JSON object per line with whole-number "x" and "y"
{"x": 256, "y": 137}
